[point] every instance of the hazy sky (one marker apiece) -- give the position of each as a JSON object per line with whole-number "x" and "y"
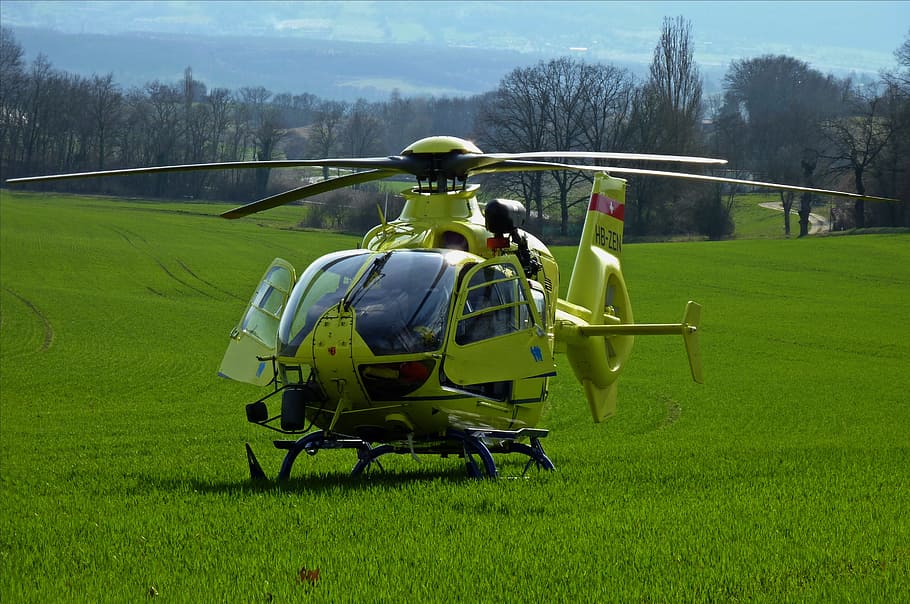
{"x": 829, "y": 35}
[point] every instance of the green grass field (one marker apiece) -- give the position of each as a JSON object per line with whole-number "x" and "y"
{"x": 122, "y": 472}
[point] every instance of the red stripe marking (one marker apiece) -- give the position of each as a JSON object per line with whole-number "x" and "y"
{"x": 605, "y": 205}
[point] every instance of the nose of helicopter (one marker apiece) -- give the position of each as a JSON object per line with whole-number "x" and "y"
{"x": 333, "y": 357}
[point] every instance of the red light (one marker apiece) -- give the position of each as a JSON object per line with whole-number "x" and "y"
{"x": 497, "y": 243}
{"x": 413, "y": 371}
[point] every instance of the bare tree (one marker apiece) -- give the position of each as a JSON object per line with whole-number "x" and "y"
{"x": 13, "y": 82}
{"x": 566, "y": 82}
{"x": 856, "y": 140}
{"x": 105, "y": 97}
{"x": 665, "y": 119}
{"x": 326, "y": 130}
{"x": 36, "y": 110}
{"x": 164, "y": 127}
{"x": 362, "y": 131}
{"x": 406, "y": 120}
{"x": 513, "y": 119}
{"x": 219, "y": 109}
{"x": 893, "y": 168}
{"x": 677, "y": 84}
{"x": 607, "y": 99}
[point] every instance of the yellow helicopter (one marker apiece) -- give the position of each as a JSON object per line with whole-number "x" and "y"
{"x": 438, "y": 335}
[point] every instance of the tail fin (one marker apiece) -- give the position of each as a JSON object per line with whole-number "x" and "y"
{"x": 597, "y": 295}
{"x": 594, "y": 323}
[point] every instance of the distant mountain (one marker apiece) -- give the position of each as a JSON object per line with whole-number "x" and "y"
{"x": 329, "y": 69}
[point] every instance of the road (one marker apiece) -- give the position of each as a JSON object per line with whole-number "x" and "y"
{"x": 817, "y": 222}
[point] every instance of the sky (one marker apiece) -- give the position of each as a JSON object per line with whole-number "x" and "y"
{"x": 843, "y": 38}
{"x": 832, "y": 34}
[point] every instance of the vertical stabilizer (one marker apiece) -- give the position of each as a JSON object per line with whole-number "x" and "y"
{"x": 597, "y": 295}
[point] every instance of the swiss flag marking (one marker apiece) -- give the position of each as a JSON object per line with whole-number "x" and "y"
{"x": 605, "y": 205}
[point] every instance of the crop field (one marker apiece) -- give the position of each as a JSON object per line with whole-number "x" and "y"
{"x": 785, "y": 478}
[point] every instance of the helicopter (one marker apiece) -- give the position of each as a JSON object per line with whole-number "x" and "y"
{"x": 439, "y": 334}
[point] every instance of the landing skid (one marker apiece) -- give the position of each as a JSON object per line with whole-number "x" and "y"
{"x": 467, "y": 444}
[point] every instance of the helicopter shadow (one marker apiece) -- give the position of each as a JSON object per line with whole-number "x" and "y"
{"x": 339, "y": 482}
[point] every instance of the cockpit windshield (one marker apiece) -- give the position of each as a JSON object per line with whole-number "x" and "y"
{"x": 400, "y": 300}
{"x": 403, "y": 307}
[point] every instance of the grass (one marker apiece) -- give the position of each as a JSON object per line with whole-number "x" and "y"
{"x": 122, "y": 474}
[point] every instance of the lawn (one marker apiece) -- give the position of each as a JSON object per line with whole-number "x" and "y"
{"x": 123, "y": 476}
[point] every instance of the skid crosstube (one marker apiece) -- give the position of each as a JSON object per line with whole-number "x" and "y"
{"x": 467, "y": 443}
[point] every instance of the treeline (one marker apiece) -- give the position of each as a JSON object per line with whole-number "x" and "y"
{"x": 777, "y": 119}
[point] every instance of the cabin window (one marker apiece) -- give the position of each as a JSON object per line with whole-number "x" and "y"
{"x": 495, "y": 306}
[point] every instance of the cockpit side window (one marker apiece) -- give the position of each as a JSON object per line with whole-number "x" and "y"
{"x": 323, "y": 285}
{"x": 540, "y": 301}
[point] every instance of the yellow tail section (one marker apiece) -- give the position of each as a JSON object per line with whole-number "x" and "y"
{"x": 594, "y": 324}
{"x": 597, "y": 295}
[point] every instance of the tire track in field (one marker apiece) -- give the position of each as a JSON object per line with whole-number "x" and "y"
{"x": 209, "y": 283}
{"x": 48, "y": 328}
{"x": 662, "y": 413}
{"x": 129, "y": 237}
{"x": 674, "y": 411}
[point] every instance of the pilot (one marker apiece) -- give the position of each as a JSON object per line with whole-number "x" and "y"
{"x": 383, "y": 324}
{"x": 404, "y": 321}
{"x": 486, "y": 324}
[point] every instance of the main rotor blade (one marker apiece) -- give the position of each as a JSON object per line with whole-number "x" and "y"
{"x": 306, "y": 191}
{"x": 420, "y": 165}
{"x": 474, "y": 163}
{"x": 398, "y": 164}
{"x": 531, "y": 166}
{"x": 609, "y": 155}
{"x": 752, "y": 183}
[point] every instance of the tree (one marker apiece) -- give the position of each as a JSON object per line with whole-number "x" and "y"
{"x": 35, "y": 110}
{"x": 665, "y": 119}
{"x": 564, "y": 80}
{"x": 219, "y": 102}
{"x": 607, "y": 105}
{"x": 782, "y": 103}
{"x": 326, "y": 130}
{"x": 266, "y": 127}
{"x": 857, "y": 139}
{"x": 362, "y": 130}
{"x": 12, "y": 92}
{"x": 511, "y": 120}
{"x": 676, "y": 83}
{"x": 105, "y": 99}
{"x": 560, "y": 105}
{"x": 893, "y": 169}
{"x": 163, "y": 127}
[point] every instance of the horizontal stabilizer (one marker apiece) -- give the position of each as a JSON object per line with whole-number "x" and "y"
{"x": 688, "y": 329}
